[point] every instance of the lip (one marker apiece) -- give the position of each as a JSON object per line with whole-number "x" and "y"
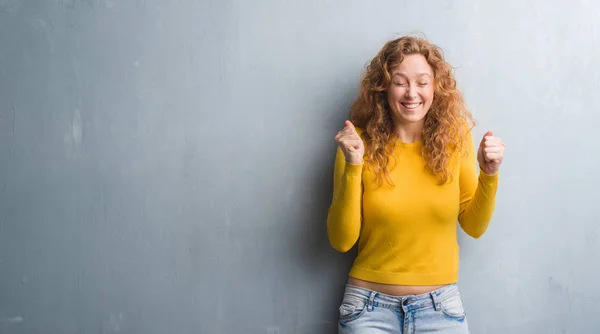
{"x": 405, "y": 103}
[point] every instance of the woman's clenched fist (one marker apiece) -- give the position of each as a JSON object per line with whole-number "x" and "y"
{"x": 490, "y": 153}
{"x": 351, "y": 144}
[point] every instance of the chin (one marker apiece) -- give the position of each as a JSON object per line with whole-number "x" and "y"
{"x": 413, "y": 118}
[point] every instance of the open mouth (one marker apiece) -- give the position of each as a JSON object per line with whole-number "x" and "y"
{"x": 411, "y": 105}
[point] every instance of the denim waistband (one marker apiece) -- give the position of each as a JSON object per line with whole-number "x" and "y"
{"x": 408, "y": 302}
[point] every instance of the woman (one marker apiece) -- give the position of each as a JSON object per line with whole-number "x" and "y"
{"x": 405, "y": 173}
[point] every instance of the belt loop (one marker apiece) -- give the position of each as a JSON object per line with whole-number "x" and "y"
{"x": 436, "y": 301}
{"x": 370, "y": 302}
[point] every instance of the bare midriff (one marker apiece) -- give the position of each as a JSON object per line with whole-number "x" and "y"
{"x": 393, "y": 290}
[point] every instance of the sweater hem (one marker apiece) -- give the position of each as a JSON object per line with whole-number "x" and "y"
{"x": 384, "y": 277}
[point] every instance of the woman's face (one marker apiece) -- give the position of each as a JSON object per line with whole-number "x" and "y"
{"x": 411, "y": 92}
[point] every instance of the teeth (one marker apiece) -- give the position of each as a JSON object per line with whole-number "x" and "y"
{"x": 412, "y": 105}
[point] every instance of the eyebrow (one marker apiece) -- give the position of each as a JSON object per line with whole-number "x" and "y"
{"x": 404, "y": 75}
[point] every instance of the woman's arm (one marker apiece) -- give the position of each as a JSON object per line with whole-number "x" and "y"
{"x": 477, "y": 193}
{"x": 344, "y": 219}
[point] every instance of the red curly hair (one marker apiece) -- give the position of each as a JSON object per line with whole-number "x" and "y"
{"x": 446, "y": 122}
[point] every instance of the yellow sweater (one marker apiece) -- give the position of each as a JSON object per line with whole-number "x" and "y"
{"x": 407, "y": 234}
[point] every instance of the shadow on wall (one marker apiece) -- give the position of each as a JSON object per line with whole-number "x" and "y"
{"x": 324, "y": 266}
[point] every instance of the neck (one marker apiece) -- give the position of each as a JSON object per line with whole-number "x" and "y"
{"x": 410, "y": 132}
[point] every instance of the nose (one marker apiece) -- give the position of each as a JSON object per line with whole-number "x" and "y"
{"x": 411, "y": 92}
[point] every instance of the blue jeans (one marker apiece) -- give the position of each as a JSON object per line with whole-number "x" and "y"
{"x": 366, "y": 311}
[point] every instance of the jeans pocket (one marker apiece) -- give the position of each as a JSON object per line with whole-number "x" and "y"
{"x": 453, "y": 307}
{"x": 351, "y": 309}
